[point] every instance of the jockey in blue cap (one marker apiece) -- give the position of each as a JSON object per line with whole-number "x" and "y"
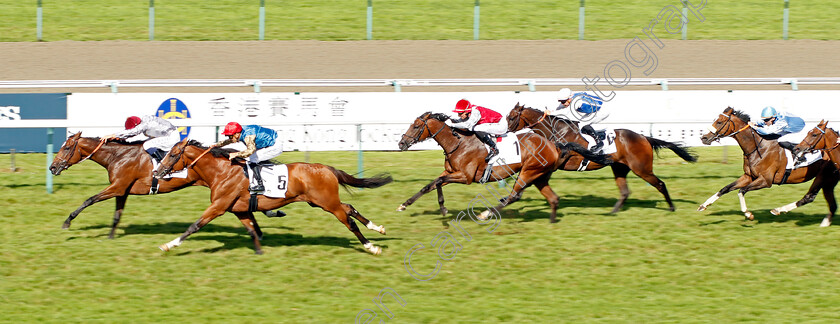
{"x": 777, "y": 124}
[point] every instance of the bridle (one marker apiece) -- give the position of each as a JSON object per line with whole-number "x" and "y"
{"x": 426, "y": 126}
{"x": 167, "y": 169}
{"x": 731, "y": 123}
{"x": 65, "y": 164}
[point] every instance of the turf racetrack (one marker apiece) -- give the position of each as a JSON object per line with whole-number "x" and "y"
{"x": 644, "y": 264}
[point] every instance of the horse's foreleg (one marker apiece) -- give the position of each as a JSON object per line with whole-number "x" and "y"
{"x": 620, "y": 174}
{"x": 115, "y": 189}
{"x": 215, "y": 210}
{"x": 550, "y": 196}
{"x": 426, "y": 189}
{"x": 351, "y": 211}
{"x": 744, "y": 180}
{"x": 524, "y": 180}
{"x": 247, "y": 219}
{"x": 759, "y": 183}
{"x": 828, "y": 193}
{"x": 117, "y": 214}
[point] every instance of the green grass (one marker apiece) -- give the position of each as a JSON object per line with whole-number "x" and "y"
{"x": 432, "y": 19}
{"x": 644, "y": 264}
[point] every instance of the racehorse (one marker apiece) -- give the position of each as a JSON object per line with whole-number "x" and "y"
{"x": 314, "y": 183}
{"x": 634, "y": 152}
{"x": 464, "y": 161}
{"x": 764, "y": 165}
{"x": 824, "y": 139}
{"x": 129, "y": 171}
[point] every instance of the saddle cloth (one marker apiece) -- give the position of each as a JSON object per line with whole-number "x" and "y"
{"x": 175, "y": 174}
{"x": 509, "y": 150}
{"x": 810, "y": 158}
{"x": 275, "y": 179}
{"x": 609, "y": 143}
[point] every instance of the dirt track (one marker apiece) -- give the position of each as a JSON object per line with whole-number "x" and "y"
{"x": 69, "y": 60}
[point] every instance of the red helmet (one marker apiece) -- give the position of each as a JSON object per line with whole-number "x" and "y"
{"x": 132, "y": 122}
{"x": 232, "y": 128}
{"x": 462, "y": 106}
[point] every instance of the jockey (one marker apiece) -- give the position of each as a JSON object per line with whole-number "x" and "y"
{"x": 586, "y": 106}
{"x": 260, "y": 145}
{"x": 161, "y": 133}
{"x": 777, "y": 124}
{"x": 482, "y": 121}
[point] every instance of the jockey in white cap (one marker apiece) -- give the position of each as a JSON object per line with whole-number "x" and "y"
{"x": 482, "y": 121}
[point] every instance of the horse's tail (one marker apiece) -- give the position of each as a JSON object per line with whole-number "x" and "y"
{"x": 680, "y": 150}
{"x": 602, "y": 159}
{"x": 376, "y": 181}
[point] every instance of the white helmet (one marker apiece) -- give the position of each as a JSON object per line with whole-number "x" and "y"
{"x": 564, "y": 94}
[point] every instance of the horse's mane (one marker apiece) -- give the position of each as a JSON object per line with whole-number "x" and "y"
{"x": 216, "y": 151}
{"x": 437, "y": 116}
{"x": 740, "y": 114}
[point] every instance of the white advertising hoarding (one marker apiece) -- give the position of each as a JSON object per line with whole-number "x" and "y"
{"x": 338, "y": 121}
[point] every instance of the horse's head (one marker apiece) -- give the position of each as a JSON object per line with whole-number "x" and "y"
{"x": 728, "y": 123}
{"x": 514, "y": 118}
{"x": 819, "y": 138}
{"x": 420, "y": 129}
{"x": 170, "y": 162}
{"x": 67, "y": 155}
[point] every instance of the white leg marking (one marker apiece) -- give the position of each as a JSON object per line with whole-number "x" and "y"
{"x": 483, "y": 216}
{"x": 787, "y": 208}
{"x": 743, "y": 202}
{"x": 709, "y": 201}
{"x": 826, "y": 222}
{"x": 401, "y": 208}
{"x": 373, "y": 248}
{"x": 378, "y": 228}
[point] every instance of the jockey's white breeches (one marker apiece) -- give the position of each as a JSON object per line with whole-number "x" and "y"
{"x": 499, "y": 128}
{"x": 164, "y": 143}
{"x": 267, "y": 153}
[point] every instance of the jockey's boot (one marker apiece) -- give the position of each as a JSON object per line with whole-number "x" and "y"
{"x": 274, "y": 213}
{"x": 599, "y": 138}
{"x": 790, "y": 146}
{"x": 157, "y": 154}
{"x": 255, "y": 168}
{"x": 487, "y": 139}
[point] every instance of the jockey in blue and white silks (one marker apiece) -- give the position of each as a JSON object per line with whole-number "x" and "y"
{"x": 777, "y": 124}
{"x": 586, "y": 107}
{"x": 261, "y": 144}
{"x": 161, "y": 133}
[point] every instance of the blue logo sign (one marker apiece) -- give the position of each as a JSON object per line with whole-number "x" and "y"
{"x": 173, "y": 108}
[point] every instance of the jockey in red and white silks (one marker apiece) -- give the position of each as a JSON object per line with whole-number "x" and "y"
{"x": 482, "y": 121}
{"x": 161, "y": 133}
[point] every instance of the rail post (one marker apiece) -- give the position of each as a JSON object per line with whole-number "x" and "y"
{"x": 151, "y": 19}
{"x": 476, "y": 18}
{"x": 361, "y": 167}
{"x": 262, "y": 19}
{"x": 39, "y": 21}
{"x": 684, "y": 19}
{"x": 49, "y": 160}
{"x": 785, "y": 19}
{"x": 581, "y": 18}
{"x": 370, "y": 19}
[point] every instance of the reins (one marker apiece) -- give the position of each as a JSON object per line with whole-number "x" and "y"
{"x": 196, "y": 159}
{"x": 101, "y": 142}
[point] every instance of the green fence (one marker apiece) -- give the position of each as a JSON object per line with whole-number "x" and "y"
{"x": 53, "y": 20}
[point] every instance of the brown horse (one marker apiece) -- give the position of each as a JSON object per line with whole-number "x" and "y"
{"x": 129, "y": 171}
{"x": 764, "y": 165}
{"x": 824, "y": 139}
{"x": 634, "y": 151}
{"x": 465, "y": 164}
{"x": 316, "y": 184}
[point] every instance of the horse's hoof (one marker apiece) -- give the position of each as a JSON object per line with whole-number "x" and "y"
{"x": 258, "y": 252}
{"x": 444, "y": 211}
{"x": 749, "y": 216}
{"x": 553, "y": 221}
{"x": 775, "y": 211}
{"x": 825, "y": 222}
{"x": 65, "y": 226}
{"x": 484, "y": 215}
{"x": 672, "y": 208}
{"x": 401, "y": 208}
{"x": 164, "y": 247}
{"x": 382, "y": 229}
{"x": 701, "y": 208}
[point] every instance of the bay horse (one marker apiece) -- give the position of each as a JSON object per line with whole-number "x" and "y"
{"x": 823, "y": 139}
{"x": 314, "y": 183}
{"x": 129, "y": 172}
{"x": 764, "y": 165}
{"x": 464, "y": 161}
{"x": 634, "y": 152}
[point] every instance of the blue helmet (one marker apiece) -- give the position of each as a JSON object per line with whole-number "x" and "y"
{"x": 768, "y": 112}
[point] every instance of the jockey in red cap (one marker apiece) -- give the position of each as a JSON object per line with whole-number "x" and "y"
{"x": 261, "y": 144}
{"x": 482, "y": 121}
{"x": 162, "y": 135}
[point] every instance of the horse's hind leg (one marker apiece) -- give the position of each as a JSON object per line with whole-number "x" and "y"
{"x": 620, "y": 173}
{"x": 338, "y": 209}
{"x": 118, "y": 214}
{"x": 809, "y": 197}
{"x": 828, "y": 193}
{"x": 351, "y": 211}
{"x": 550, "y": 196}
{"x": 247, "y": 219}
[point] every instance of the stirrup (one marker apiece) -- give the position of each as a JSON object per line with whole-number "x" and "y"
{"x": 491, "y": 154}
{"x": 257, "y": 188}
